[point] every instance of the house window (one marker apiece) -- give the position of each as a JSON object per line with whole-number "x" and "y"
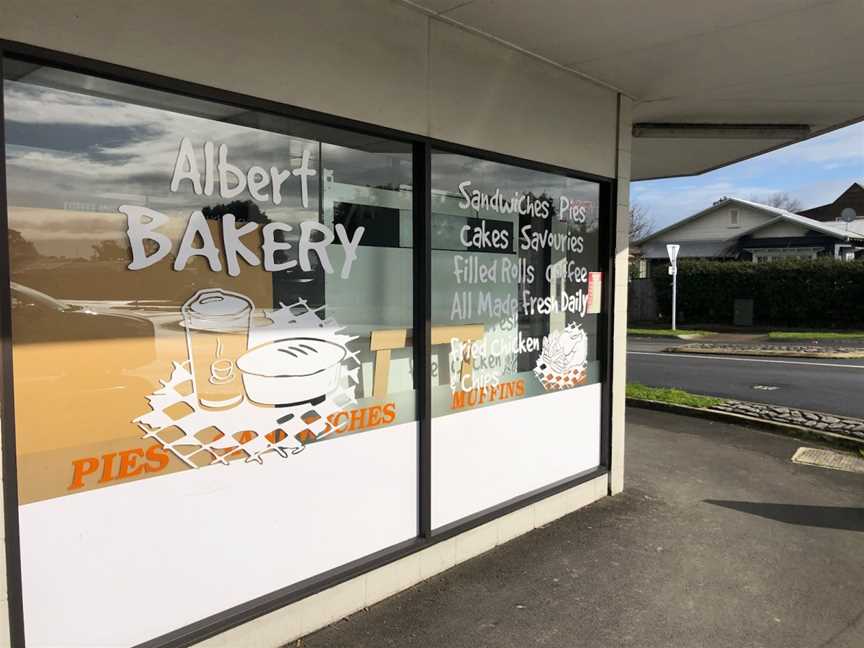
{"x": 733, "y": 218}
{"x": 845, "y": 252}
{"x": 782, "y": 254}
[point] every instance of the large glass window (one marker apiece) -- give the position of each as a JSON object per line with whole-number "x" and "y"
{"x": 212, "y": 312}
{"x": 211, "y": 320}
{"x": 516, "y": 298}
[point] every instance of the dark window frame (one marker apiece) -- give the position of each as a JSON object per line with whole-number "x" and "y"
{"x": 421, "y": 151}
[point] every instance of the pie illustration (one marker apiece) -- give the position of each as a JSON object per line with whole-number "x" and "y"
{"x": 291, "y": 371}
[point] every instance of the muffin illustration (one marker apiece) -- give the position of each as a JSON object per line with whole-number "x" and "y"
{"x": 563, "y": 361}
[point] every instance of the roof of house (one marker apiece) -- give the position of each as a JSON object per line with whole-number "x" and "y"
{"x": 854, "y": 230}
{"x": 694, "y": 249}
{"x": 853, "y": 198}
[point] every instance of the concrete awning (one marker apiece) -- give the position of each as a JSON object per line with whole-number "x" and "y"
{"x": 796, "y": 64}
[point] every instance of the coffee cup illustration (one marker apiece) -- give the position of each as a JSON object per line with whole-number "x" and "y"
{"x": 217, "y": 331}
{"x": 273, "y": 397}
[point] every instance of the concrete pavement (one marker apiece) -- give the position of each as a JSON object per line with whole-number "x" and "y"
{"x": 718, "y": 540}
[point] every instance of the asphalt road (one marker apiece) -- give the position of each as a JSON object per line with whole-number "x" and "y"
{"x": 718, "y": 541}
{"x": 833, "y": 386}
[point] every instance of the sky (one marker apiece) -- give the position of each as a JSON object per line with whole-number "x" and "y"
{"x": 815, "y": 172}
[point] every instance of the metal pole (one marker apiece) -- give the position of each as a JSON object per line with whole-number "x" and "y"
{"x": 672, "y": 250}
{"x": 674, "y": 294}
{"x": 421, "y": 180}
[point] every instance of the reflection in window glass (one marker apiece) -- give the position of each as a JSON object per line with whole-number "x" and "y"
{"x": 516, "y": 282}
{"x": 200, "y": 289}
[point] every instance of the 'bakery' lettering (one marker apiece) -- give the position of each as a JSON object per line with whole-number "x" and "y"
{"x": 143, "y": 225}
{"x": 263, "y": 185}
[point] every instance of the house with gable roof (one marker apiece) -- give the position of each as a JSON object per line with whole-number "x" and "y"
{"x": 738, "y": 229}
{"x": 850, "y": 202}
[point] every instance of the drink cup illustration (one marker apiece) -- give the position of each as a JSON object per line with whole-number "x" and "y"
{"x": 279, "y": 379}
{"x": 217, "y": 330}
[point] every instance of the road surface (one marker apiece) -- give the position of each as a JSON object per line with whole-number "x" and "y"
{"x": 833, "y": 386}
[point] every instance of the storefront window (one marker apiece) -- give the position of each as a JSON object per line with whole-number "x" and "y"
{"x": 211, "y": 313}
{"x": 213, "y": 346}
{"x": 516, "y": 303}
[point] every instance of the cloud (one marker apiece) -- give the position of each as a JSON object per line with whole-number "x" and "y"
{"x": 667, "y": 203}
{"x": 30, "y": 104}
{"x": 73, "y": 159}
{"x": 70, "y": 147}
{"x": 824, "y": 191}
{"x": 834, "y": 148}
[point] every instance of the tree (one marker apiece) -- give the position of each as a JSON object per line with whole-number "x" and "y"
{"x": 20, "y": 249}
{"x": 109, "y": 250}
{"x": 641, "y": 223}
{"x": 243, "y": 211}
{"x": 781, "y": 200}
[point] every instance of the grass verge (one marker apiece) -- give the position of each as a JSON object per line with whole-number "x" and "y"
{"x": 673, "y": 396}
{"x": 816, "y": 335}
{"x": 649, "y": 332}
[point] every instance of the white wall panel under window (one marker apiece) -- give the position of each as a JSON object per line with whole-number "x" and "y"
{"x": 484, "y": 457}
{"x": 138, "y": 560}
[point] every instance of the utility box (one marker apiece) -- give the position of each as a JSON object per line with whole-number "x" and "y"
{"x": 743, "y": 315}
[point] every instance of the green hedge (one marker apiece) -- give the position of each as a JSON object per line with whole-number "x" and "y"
{"x": 797, "y": 292}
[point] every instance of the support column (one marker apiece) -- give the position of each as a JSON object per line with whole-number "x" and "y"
{"x": 622, "y": 235}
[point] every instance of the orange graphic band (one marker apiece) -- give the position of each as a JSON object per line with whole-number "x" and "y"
{"x": 66, "y": 471}
{"x": 489, "y": 394}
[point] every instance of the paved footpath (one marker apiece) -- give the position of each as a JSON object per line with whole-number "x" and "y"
{"x": 719, "y": 540}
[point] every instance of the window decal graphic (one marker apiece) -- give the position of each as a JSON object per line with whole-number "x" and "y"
{"x": 563, "y": 362}
{"x": 247, "y": 389}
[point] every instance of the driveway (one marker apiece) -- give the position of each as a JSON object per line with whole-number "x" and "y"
{"x": 718, "y": 540}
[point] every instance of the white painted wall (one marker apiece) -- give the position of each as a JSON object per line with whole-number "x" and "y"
{"x": 716, "y": 225}
{"x": 781, "y": 229}
{"x": 196, "y": 555}
{"x": 622, "y": 262}
{"x": 503, "y": 458}
{"x": 373, "y": 60}
{"x": 492, "y": 97}
{"x": 4, "y": 594}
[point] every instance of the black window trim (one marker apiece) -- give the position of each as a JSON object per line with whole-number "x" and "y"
{"x": 421, "y": 150}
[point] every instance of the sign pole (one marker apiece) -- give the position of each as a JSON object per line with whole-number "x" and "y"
{"x": 672, "y": 251}
{"x": 674, "y": 295}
